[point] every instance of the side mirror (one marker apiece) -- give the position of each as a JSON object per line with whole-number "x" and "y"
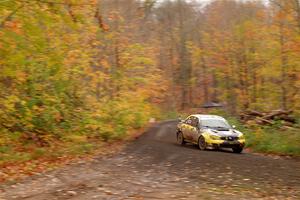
{"x": 233, "y": 126}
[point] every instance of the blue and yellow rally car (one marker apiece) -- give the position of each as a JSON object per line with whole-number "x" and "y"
{"x": 210, "y": 131}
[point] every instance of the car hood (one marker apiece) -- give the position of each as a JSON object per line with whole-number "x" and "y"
{"x": 224, "y": 133}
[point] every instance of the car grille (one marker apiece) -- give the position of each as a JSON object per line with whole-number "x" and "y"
{"x": 230, "y": 138}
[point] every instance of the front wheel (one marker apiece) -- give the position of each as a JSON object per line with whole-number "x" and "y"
{"x": 237, "y": 149}
{"x": 202, "y": 143}
{"x": 180, "y": 138}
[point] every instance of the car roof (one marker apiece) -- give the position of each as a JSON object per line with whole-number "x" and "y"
{"x": 200, "y": 116}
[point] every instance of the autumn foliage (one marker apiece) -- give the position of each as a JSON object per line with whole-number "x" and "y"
{"x": 68, "y": 76}
{"x": 80, "y": 70}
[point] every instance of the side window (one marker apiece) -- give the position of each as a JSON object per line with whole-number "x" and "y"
{"x": 189, "y": 121}
{"x": 195, "y": 122}
{"x": 200, "y": 124}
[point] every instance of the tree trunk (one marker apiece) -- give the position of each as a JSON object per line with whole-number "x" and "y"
{"x": 283, "y": 68}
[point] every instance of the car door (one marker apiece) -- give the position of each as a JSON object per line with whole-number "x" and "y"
{"x": 186, "y": 128}
{"x": 194, "y": 132}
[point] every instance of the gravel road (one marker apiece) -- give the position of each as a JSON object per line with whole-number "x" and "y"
{"x": 155, "y": 167}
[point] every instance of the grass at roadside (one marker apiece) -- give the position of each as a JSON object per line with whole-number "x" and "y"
{"x": 274, "y": 140}
{"x": 17, "y": 161}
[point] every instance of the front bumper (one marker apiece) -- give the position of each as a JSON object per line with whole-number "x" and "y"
{"x": 226, "y": 143}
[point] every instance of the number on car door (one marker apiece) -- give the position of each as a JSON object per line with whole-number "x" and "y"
{"x": 186, "y": 130}
{"x": 195, "y": 130}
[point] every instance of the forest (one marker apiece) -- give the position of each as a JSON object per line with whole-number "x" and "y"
{"x": 76, "y": 72}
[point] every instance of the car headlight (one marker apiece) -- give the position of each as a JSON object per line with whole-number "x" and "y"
{"x": 214, "y": 137}
{"x": 241, "y": 137}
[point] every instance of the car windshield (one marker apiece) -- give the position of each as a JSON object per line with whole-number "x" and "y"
{"x": 215, "y": 123}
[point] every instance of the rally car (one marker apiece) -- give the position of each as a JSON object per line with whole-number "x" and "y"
{"x": 209, "y": 131}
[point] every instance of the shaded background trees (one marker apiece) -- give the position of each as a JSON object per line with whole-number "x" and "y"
{"x": 244, "y": 54}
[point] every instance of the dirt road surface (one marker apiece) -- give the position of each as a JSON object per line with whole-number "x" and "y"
{"x": 155, "y": 167}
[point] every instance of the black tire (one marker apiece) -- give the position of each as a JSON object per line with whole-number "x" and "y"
{"x": 202, "y": 143}
{"x": 180, "y": 138}
{"x": 237, "y": 149}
